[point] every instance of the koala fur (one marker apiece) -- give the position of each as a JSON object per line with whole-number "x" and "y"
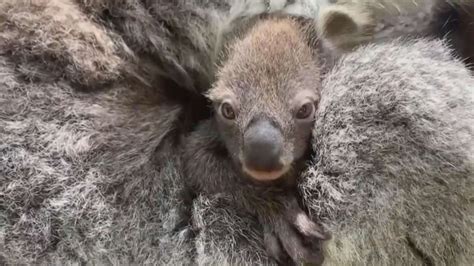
{"x": 88, "y": 140}
{"x": 393, "y": 172}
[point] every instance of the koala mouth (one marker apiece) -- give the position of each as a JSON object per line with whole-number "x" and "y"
{"x": 266, "y": 175}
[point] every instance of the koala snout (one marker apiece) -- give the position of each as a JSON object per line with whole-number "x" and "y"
{"x": 263, "y": 147}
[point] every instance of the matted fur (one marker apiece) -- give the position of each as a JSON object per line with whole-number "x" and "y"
{"x": 92, "y": 177}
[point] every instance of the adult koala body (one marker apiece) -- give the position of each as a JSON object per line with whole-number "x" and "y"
{"x": 394, "y": 172}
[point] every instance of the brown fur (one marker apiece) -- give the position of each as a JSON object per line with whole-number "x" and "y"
{"x": 280, "y": 46}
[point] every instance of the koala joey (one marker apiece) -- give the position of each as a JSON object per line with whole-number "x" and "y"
{"x": 252, "y": 149}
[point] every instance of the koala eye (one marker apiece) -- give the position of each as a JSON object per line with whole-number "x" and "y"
{"x": 227, "y": 111}
{"x": 305, "y": 111}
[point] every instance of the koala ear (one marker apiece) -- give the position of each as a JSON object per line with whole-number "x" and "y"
{"x": 345, "y": 26}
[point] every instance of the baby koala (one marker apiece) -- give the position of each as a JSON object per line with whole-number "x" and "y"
{"x": 255, "y": 146}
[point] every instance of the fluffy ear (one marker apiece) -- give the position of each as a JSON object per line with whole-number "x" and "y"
{"x": 344, "y": 26}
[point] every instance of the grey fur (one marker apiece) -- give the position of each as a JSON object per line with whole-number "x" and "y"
{"x": 395, "y": 157}
{"x": 79, "y": 175}
{"x": 92, "y": 178}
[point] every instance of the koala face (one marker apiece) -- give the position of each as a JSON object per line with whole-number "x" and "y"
{"x": 266, "y": 97}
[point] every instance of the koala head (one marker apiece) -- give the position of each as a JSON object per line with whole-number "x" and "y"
{"x": 265, "y": 98}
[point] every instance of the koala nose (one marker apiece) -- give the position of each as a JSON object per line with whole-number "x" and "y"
{"x": 263, "y": 147}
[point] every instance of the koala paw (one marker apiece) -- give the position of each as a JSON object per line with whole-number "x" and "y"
{"x": 292, "y": 238}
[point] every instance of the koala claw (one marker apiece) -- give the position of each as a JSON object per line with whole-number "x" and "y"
{"x": 293, "y": 238}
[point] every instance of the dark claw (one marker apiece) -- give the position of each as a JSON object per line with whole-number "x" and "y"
{"x": 294, "y": 244}
{"x": 295, "y": 237}
{"x": 274, "y": 249}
